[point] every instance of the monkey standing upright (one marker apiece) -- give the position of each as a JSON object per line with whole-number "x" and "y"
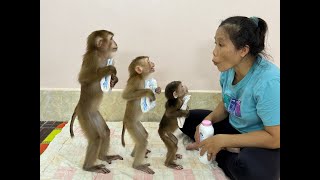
{"x": 174, "y": 92}
{"x": 100, "y": 47}
{"x": 139, "y": 69}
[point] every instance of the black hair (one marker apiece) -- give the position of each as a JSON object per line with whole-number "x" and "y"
{"x": 244, "y": 31}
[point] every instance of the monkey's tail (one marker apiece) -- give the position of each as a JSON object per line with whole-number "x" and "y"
{"x": 72, "y": 121}
{"x": 122, "y": 135}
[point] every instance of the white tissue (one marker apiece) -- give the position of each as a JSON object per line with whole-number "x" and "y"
{"x": 181, "y": 120}
{"x": 146, "y": 105}
{"x": 105, "y": 81}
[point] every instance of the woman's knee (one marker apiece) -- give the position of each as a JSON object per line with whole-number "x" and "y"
{"x": 248, "y": 166}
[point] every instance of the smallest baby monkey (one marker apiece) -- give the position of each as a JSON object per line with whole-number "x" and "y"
{"x": 174, "y": 92}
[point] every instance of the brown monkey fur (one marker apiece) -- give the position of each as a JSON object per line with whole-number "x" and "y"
{"x": 100, "y": 47}
{"x": 139, "y": 69}
{"x": 174, "y": 93}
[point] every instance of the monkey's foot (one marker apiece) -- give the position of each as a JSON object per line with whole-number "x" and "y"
{"x": 178, "y": 156}
{"x": 98, "y": 169}
{"x": 110, "y": 158}
{"x": 174, "y": 166}
{"x": 144, "y": 168}
{"x": 148, "y": 151}
{"x": 192, "y": 146}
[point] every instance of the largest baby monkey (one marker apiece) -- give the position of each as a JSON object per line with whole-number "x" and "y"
{"x": 139, "y": 69}
{"x": 100, "y": 47}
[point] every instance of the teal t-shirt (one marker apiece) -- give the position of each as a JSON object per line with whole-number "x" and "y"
{"x": 254, "y": 102}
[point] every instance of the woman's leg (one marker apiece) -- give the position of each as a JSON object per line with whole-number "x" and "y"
{"x": 250, "y": 164}
{"x": 193, "y": 120}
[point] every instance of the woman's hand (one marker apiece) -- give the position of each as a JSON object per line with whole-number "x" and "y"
{"x": 212, "y": 145}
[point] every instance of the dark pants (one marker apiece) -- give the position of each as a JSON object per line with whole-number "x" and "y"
{"x": 249, "y": 164}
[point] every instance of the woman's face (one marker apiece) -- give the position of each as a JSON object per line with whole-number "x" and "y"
{"x": 225, "y": 55}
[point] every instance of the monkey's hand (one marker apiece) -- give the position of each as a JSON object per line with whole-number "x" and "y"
{"x": 188, "y": 112}
{"x": 187, "y": 115}
{"x": 108, "y": 70}
{"x": 158, "y": 90}
{"x": 184, "y": 113}
{"x": 114, "y": 80}
{"x": 151, "y": 95}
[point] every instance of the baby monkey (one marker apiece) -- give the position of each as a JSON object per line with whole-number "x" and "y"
{"x": 139, "y": 69}
{"x": 174, "y": 92}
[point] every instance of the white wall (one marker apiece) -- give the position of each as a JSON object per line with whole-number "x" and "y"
{"x": 178, "y": 35}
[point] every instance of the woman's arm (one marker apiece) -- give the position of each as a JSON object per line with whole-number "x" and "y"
{"x": 268, "y": 138}
{"x": 218, "y": 114}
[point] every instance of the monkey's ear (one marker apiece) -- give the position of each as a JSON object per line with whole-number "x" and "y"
{"x": 175, "y": 95}
{"x": 99, "y": 41}
{"x": 138, "y": 69}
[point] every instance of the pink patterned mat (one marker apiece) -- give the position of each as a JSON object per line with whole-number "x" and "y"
{"x": 64, "y": 157}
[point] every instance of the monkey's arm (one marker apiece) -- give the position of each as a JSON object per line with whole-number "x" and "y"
{"x": 137, "y": 94}
{"x": 86, "y": 77}
{"x": 108, "y": 70}
{"x": 176, "y": 113}
{"x": 90, "y": 74}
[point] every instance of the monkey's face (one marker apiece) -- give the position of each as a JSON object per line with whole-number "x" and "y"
{"x": 110, "y": 45}
{"x": 181, "y": 91}
{"x": 147, "y": 66}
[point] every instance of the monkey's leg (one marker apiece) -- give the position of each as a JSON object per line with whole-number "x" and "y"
{"x": 143, "y": 130}
{"x": 89, "y": 124}
{"x": 92, "y": 151}
{"x": 173, "y": 138}
{"x": 140, "y": 149}
{"x": 104, "y": 148}
{"x": 171, "y": 150}
{"x": 146, "y": 134}
{"x": 134, "y": 150}
{"x": 175, "y": 141}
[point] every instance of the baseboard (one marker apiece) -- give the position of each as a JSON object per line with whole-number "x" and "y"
{"x": 57, "y": 104}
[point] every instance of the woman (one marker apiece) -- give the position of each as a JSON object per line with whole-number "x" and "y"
{"x": 248, "y": 117}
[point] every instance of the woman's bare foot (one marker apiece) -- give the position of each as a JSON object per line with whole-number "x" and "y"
{"x": 192, "y": 146}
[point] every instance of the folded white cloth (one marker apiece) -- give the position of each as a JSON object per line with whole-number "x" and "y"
{"x": 146, "y": 105}
{"x": 105, "y": 81}
{"x": 181, "y": 120}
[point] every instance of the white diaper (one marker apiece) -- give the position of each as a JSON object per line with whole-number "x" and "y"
{"x": 181, "y": 120}
{"x": 105, "y": 81}
{"x": 146, "y": 105}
